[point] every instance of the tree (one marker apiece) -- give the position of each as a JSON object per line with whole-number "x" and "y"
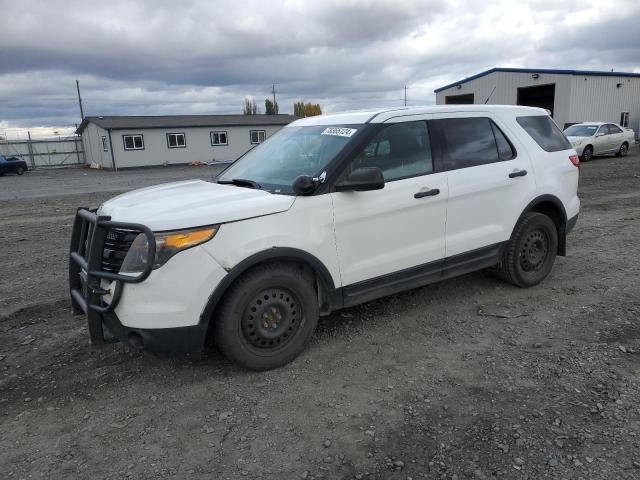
{"x": 301, "y": 109}
{"x": 250, "y": 107}
{"x": 270, "y": 108}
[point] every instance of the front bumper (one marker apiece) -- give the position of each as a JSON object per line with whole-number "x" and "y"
{"x": 158, "y": 310}
{"x": 579, "y": 148}
{"x": 178, "y": 340}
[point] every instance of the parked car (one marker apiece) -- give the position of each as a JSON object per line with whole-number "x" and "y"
{"x": 12, "y": 165}
{"x": 600, "y": 138}
{"x": 330, "y": 212}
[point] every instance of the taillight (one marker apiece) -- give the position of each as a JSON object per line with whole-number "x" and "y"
{"x": 575, "y": 159}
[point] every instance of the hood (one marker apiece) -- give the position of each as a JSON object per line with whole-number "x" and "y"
{"x": 576, "y": 139}
{"x": 192, "y": 203}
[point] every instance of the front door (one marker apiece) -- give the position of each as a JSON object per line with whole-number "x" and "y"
{"x": 401, "y": 226}
{"x": 602, "y": 141}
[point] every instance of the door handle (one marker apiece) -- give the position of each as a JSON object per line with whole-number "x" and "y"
{"x": 427, "y": 193}
{"x": 517, "y": 173}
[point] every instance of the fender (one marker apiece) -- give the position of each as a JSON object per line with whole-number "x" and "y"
{"x": 562, "y": 226}
{"x": 329, "y": 298}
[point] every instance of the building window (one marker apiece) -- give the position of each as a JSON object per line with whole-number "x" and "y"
{"x": 133, "y": 142}
{"x": 219, "y": 138}
{"x": 176, "y": 140}
{"x": 257, "y": 136}
{"x": 624, "y": 119}
{"x": 105, "y": 145}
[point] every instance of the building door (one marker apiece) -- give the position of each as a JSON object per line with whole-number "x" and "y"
{"x": 464, "y": 99}
{"x": 541, "y": 96}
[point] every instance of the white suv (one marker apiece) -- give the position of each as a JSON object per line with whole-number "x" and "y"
{"x": 330, "y": 212}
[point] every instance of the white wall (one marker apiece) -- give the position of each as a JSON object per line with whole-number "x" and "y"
{"x": 198, "y": 145}
{"x": 92, "y": 140}
{"x": 599, "y": 99}
{"x": 506, "y": 90}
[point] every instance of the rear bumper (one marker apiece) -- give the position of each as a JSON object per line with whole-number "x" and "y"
{"x": 179, "y": 340}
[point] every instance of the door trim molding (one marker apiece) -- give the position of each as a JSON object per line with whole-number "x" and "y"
{"x": 421, "y": 275}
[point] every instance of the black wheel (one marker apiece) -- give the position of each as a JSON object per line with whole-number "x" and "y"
{"x": 531, "y": 251}
{"x": 624, "y": 149}
{"x": 19, "y": 170}
{"x": 587, "y": 153}
{"x": 267, "y": 316}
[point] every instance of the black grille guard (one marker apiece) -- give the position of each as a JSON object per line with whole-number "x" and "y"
{"x": 85, "y": 267}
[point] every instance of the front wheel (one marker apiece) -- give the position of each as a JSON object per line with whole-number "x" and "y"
{"x": 267, "y": 317}
{"x": 19, "y": 170}
{"x": 587, "y": 153}
{"x": 531, "y": 251}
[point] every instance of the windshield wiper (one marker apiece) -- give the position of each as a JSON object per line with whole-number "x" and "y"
{"x": 241, "y": 182}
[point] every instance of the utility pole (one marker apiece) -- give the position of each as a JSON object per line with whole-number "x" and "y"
{"x": 273, "y": 89}
{"x": 79, "y": 100}
{"x": 405, "y": 95}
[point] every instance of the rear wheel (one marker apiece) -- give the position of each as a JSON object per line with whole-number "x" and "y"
{"x": 624, "y": 149}
{"x": 267, "y": 317}
{"x": 19, "y": 170}
{"x": 531, "y": 251}
{"x": 587, "y": 153}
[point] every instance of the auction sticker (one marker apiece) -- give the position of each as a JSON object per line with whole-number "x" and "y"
{"x": 340, "y": 131}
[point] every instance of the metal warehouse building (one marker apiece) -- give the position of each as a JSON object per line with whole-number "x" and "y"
{"x": 136, "y": 141}
{"x": 572, "y": 96}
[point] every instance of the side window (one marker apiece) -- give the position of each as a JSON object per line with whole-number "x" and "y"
{"x": 614, "y": 129}
{"x": 401, "y": 150}
{"x": 467, "y": 142}
{"x": 505, "y": 149}
{"x": 544, "y": 132}
{"x": 603, "y": 130}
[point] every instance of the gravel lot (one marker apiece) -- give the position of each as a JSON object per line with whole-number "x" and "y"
{"x": 469, "y": 378}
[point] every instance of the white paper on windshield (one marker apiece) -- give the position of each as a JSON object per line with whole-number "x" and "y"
{"x": 340, "y": 131}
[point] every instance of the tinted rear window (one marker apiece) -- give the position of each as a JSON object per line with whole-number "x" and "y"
{"x": 545, "y": 133}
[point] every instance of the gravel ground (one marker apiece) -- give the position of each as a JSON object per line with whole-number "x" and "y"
{"x": 466, "y": 379}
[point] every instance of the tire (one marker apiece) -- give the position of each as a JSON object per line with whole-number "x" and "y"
{"x": 587, "y": 153}
{"x": 624, "y": 149}
{"x": 531, "y": 251}
{"x": 19, "y": 170}
{"x": 267, "y": 316}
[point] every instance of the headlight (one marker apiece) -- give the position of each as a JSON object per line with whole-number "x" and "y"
{"x": 167, "y": 245}
{"x": 577, "y": 143}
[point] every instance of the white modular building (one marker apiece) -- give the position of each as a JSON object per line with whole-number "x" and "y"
{"x": 115, "y": 142}
{"x": 572, "y": 96}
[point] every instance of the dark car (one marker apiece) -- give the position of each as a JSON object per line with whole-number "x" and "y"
{"x": 12, "y": 165}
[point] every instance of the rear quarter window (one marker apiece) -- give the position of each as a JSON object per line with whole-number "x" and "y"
{"x": 544, "y": 132}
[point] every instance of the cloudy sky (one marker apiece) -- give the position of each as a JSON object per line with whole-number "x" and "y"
{"x": 155, "y": 57}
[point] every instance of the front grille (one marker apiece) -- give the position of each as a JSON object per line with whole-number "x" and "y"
{"x": 116, "y": 246}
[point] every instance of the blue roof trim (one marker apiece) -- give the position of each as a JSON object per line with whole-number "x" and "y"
{"x": 539, "y": 70}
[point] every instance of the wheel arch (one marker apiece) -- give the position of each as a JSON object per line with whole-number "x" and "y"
{"x": 328, "y": 298}
{"x": 551, "y": 206}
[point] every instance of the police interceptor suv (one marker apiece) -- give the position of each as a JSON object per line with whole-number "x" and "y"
{"x": 330, "y": 212}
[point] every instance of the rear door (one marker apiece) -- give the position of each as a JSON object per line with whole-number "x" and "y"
{"x": 617, "y": 137}
{"x": 490, "y": 180}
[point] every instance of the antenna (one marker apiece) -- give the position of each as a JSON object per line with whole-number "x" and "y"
{"x": 79, "y": 100}
{"x": 494, "y": 89}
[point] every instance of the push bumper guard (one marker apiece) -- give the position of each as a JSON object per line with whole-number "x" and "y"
{"x": 85, "y": 268}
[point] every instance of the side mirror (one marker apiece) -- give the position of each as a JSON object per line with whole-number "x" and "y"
{"x": 600, "y": 134}
{"x": 362, "y": 179}
{"x": 304, "y": 185}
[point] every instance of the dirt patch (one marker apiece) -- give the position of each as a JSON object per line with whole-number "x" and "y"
{"x": 469, "y": 378}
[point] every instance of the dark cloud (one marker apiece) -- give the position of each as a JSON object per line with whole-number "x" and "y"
{"x": 160, "y": 57}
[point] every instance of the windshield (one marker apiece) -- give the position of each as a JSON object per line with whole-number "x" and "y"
{"x": 581, "y": 130}
{"x": 291, "y": 152}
